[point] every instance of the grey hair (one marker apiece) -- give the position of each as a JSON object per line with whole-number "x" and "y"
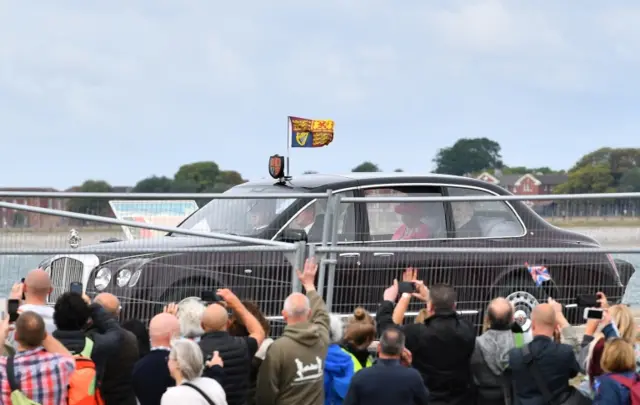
{"x": 298, "y": 312}
{"x": 336, "y": 328}
{"x": 190, "y": 316}
{"x": 392, "y": 342}
{"x": 189, "y": 357}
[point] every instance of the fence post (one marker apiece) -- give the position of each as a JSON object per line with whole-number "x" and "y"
{"x": 298, "y": 264}
{"x": 333, "y": 256}
{"x": 326, "y": 229}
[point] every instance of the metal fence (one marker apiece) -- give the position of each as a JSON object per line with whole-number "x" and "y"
{"x": 206, "y": 252}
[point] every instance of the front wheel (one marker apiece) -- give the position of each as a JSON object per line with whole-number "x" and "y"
{"x": 524, "y": 296}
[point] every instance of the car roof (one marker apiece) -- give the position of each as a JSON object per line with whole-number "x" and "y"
{"x": 326, "y": 181}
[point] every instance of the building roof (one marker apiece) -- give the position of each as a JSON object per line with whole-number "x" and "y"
{"x": 552, "y": 179}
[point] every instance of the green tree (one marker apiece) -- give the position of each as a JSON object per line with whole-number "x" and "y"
{"x": 366, "y": 167}
{"x": 203, "y": 174}
{"x": 630, "y": 181}
{"x": 618, "y": 160}
{"x": 468, "y": 155}
{"x": 587, "y": 179}
{"x": 154, "y": 184}
{"x": 398, "y": 170}
{"x": 92, "y": 206}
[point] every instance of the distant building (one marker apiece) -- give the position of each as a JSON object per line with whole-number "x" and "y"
{"x": 22, "y": 219}
{"x": 526, "y": 184}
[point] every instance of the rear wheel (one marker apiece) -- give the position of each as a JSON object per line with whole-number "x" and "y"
{"x": 524, "y": 295}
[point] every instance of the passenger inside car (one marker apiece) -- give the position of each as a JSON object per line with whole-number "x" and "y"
{"x": 412, "y": 226}
{"x": 469, "y": 223}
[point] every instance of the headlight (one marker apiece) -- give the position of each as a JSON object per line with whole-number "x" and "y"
{"x": 103, "y": 278}
{"x": 123, "y": 277}
{"x": 135, "y": 278}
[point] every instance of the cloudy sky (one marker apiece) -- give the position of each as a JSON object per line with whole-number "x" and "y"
{"x": 119, "y": 90}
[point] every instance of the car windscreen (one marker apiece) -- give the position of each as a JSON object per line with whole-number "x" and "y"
{"x": 245, "y": 217}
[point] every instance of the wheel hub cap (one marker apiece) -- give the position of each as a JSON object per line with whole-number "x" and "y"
{"x": 523, "y": 303}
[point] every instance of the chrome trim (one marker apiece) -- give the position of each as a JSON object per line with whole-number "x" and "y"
{"x": 412, "y": 240}
{"x": 383, "y": 254}
{"x": 89, "y": 261}
{"x": 349, "y": 254}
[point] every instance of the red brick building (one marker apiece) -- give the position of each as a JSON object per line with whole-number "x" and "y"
{"x": 22, "y": 219}
{"x": 525, "y": 184}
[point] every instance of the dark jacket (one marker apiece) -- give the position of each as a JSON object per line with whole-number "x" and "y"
{"x": 387, "y": 382}
{"x": 557, "y": 364}
{"x": 610, "y": 392}
{"x": 236, "y": 353}
{"x": 489, "y": 363}
{"x": 441, "y": 348}
{"x": 105, "y": 334}
{"x": 151, "y": 377}
{"x": 117, "y": 387}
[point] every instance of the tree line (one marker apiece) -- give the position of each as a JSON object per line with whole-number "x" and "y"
{"x": 605, "y": 170}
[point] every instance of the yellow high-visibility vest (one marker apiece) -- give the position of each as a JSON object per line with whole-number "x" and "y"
{"x": 356, "y": 363}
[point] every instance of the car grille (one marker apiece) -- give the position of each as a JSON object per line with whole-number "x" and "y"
{"x": 63, "y": 272}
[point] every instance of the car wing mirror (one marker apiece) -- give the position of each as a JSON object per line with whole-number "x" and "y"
{"x": 293, "y": 236}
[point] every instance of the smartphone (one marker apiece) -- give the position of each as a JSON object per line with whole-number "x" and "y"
{"x": 22, "y": 282}
{"x": 75, "y": 287}
{"x": 406, "y": 287}
{"x": 210, "y": 296}
{"x": 588, "y": 300}
{"x": 12, "y": 309}
{"x": 592, "y": 313}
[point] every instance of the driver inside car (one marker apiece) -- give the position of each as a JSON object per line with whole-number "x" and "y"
{"x": 412, "y": 226}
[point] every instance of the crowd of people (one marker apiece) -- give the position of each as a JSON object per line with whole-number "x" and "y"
{"x": 79, "y": 353}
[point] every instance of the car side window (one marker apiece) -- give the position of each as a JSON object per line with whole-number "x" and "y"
{"x": 483, "y": 219}
{"x": 311, "y": 220}
{"x": 405, "y": 220}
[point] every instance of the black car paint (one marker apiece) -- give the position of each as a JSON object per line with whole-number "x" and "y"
{"x": 196, "y": 269}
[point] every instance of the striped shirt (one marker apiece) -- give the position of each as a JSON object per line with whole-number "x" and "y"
{"x": 43, "y": 376}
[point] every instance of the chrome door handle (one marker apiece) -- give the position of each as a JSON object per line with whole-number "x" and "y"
{"x": 349, "y": 254}
{"x": 382, "y": 254}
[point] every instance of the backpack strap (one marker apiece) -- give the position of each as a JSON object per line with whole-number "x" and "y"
{"x": 205, "y": 396}
{"x": 88, "y": 348}
{"x": 627, "y": 382}
{"x": 11, "y": 374}
{"x": 529, "y": 361}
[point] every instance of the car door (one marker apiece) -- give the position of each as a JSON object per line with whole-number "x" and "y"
{"x": 384, "y": 229}
{"x": 311, "y": 219}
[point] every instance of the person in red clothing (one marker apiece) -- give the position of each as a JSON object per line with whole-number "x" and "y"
{"x": 412, "y": 226}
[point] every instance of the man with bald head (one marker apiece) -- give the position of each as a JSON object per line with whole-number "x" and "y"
{"x": 292, "y": 372}
{"x": 556, "y": 362}
{"x": 35, "y": 290}
{"x": 491, "y": 353}
{"x": 237, "y": 352}
{"x": 117, "y": 386}
{"x": 151, "y": 376}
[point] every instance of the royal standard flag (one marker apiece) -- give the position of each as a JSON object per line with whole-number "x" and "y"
{"x": 306, "y": 133}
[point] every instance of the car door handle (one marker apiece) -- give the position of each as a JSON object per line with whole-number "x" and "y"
{"x": 382, "y": 254}
{"x": 350, "y": 254}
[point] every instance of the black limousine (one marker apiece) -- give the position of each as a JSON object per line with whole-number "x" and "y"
{"x": 146, "y": 281}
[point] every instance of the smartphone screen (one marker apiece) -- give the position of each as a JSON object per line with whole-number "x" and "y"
{"x": 12, "y": 309}
{"x": 592, "y": 313}
{"x": 76, "y": 287}
{"x": 405, "y": 287}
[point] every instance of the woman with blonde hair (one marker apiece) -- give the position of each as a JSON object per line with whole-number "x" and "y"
{"x": 619, "y": 366}
{"x": 618, "y": 321}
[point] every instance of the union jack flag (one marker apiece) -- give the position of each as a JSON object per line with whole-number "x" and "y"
{"x": 539, "y": 274}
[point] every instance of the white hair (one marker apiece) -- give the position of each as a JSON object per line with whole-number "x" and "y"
{"x": 190, "y": 316}
{"x": 336, "y": 328}
{"x": 189, "y": 357}
{"x": 297, "y": 312}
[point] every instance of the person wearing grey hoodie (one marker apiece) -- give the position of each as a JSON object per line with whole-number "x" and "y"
{"x": 490, "y": 356}
{"x": 292, "y": 372}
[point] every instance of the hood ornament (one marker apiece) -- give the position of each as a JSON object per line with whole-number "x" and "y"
{"x": 74, "y": 239}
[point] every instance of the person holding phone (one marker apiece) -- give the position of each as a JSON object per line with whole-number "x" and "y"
{"x": 616, "y": 320}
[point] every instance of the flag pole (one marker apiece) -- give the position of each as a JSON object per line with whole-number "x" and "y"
{"x": 287, "y": 169}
